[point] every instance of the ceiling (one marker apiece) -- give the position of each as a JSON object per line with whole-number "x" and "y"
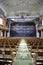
{"x": 12, "y": 7}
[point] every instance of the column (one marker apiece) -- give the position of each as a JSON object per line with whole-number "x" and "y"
{"x": 39, "y": 33}
{"x": 8, "y": 34}
{"x": 3, "y": 32}
{"x": 9, "y": 27}
{"x": 0, "y": 32}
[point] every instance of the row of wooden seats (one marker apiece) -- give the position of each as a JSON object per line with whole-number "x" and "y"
{"x": 7, "y": 42}
{"x": 36, "y": 45}
{"x": 31, "y": 43}
{"x": 7, "y": 53}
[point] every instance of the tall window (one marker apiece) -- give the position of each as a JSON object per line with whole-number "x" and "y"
{"x": 42, "y": 22}
{"x": 1, "y": 21}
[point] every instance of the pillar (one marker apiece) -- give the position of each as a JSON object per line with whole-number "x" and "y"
{"x": 8, "y": 34}
{"x": 4, "y": 33}
{"x": 1, "y": 33}
{"x": 37, "y": 33}
{"x": 42, "y": 33}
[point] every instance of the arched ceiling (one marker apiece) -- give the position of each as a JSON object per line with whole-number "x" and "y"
{"x": 33, "y": 7}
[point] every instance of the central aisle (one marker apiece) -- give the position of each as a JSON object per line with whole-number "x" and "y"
{"x": 23, "y": 55}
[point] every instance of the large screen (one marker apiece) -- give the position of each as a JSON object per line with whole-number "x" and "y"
{"x": 23, "y": 29}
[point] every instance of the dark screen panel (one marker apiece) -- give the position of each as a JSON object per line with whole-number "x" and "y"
{"x": 23, "y": 30}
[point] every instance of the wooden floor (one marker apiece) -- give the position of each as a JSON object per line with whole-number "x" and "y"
{"x": 9, "y": 47}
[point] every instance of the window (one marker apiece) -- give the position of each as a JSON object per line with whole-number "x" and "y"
{"x": 1, "y": 21}
{"x": 42, "y": 22}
